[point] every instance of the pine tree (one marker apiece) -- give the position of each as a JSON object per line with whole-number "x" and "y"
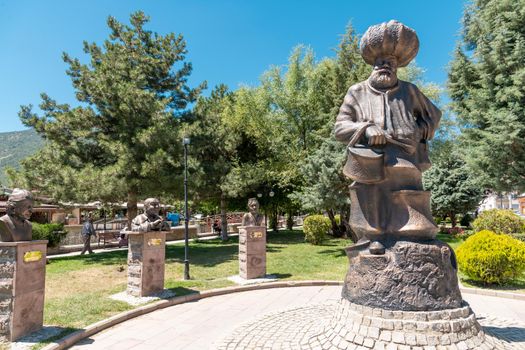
{"x": 455, "y": 188}
{"x": 122, "y": 142}
{"x": 487, "y": 87}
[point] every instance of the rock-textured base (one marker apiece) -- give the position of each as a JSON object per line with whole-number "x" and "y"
{"x": 146, "y": 258}
{"x": 410, "y": 276}
{"x": 22, "y": 288}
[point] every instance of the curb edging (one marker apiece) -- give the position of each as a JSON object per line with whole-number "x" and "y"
{"x": 493, "y": 293}
{"x": 72, "y": 338}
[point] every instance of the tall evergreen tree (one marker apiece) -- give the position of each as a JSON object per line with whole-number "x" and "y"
{"x": 122, "y": 142}
{"x": 486, "y": 84}
{"x": 455, "y": 188}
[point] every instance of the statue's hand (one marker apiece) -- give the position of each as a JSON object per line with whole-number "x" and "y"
{"x": 375, "y": 135}
{"x": 156, "y": 223}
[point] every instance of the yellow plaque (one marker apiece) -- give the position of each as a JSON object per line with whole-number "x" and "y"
{"x": 31, "y": 256}
{"x": 257, "y": 234}
{"x": 154, "y": 241}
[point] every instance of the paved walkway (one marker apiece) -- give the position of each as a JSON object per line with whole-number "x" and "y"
{"x": 204, "y": 237}
{"x": 203, "y": 324}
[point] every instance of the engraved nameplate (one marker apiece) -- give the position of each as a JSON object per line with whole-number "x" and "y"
{"x": 154, "y": 241}
{"x": 256, "y": 234}
{"x": 31, "y": 256}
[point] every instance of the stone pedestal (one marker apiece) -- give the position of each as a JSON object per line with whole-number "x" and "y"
{"x": 22, "y": 287}
{"x": 410, "y": 276}
{"x": 408, "y": 298}
{"x": 252, "y": 251}
{"x": 360, "y": 327}
{"x": 146, "y": 257}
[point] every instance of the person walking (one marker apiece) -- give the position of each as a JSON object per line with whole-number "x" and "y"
{"x": 87, "y": 231}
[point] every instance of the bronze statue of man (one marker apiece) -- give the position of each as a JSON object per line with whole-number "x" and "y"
{"x": 15, "y": 225}
{"x": 150, "y": 220}
{"x": 386, "y": 123}
{"x": 252, "y": 218}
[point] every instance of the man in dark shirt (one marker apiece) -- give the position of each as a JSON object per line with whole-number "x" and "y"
{"x": 87, "y": 231}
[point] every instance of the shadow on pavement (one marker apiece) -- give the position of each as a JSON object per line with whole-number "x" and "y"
{"x": 508, "y": 333}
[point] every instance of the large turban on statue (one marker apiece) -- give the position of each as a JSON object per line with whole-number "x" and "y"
{"x": 390, "y": 39}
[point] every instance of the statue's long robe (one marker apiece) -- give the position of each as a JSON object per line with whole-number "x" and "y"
{"x": 398, "y": 205}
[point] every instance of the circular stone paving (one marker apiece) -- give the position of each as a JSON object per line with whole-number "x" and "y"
{"x": 299, "y": 328}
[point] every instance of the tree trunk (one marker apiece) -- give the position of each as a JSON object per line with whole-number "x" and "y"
{"x": 345, "y": 221}
{"x": 131, "y": 206}
{"x": 336, "y": 232}
{"x": 274, "y": 220}
{"x": 344, "y": 214}
{"x": 224, "y": 219}
{"x": 289, "y": 221}
{"x": 452, "y": 218}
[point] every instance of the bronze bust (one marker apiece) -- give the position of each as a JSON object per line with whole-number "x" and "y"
{"x": 252, "y": 218}
{"x": 386, "y": 124}
{"x": 15, "y": 225}
{"x": 150, "y": 220}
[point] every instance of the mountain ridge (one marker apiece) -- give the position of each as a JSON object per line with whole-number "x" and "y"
{"x": 15, "y": 146}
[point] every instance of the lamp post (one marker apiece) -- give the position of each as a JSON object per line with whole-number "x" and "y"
{"x": 186, "y": 142}
{"x": 271, "y": 194}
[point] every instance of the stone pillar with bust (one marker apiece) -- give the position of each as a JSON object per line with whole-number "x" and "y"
{"x": 147, "y": 251}
{"x": 22, "y": 270}
{"x": 252, "y": 243}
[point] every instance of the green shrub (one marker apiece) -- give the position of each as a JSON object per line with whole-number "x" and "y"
{"x": 315, "y": 228}
{"x": 499, "y": 221}
{"x": 466, "y": 220}
{"x": 52, "y": 232}
{"x": 520, "y": 236}
{"x": 491, "y": 258}
{"x": 438, "y": 220}
{"x": 337, "y": 219}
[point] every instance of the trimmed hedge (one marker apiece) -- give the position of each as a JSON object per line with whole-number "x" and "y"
{"x": 315, "y": 228}
{"x": 499, "y": 221}
{"x": 491, "y": 258}
{"x": 52, "y": 232}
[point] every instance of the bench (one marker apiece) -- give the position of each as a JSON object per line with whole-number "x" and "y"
{"x": 108, "y": 237}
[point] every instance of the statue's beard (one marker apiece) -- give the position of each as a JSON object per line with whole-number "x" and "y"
{"x": 383, "y": 80}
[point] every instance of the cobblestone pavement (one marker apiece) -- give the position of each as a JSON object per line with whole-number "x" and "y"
{"x": 294, "y": 329}
{"x": 204, "y": 324}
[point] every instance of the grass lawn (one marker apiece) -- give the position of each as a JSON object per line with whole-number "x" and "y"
{"x": 77, "y": 288}
{"x": 450, "y": 240}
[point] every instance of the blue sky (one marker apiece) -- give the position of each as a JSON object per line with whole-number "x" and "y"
{"x": 231, "y": 42}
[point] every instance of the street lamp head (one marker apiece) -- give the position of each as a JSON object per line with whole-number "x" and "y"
{"x": 259, "y": 195}
{"x": 271, "y": 194}
{"x": 186, "y": 141}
